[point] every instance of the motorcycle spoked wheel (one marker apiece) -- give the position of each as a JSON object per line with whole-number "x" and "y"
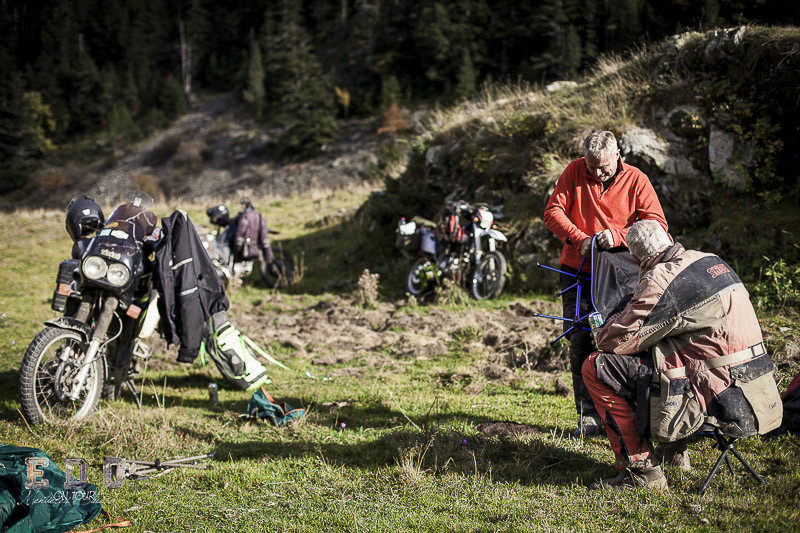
{"x": 421, "y": 277}
{"x": 280, "y": 273}
{"x": 489, "y": 277}
{"x": 45, "y": 381}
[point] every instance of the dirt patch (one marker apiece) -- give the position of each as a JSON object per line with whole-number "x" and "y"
{"x": 332, "y": 359}
{"x": 502, "y": 375}
{"x": 507, "y": 429}
{"x": 350, "y": 372}
{"x": 562, "y": 388}
{"x": 336, "y": 331}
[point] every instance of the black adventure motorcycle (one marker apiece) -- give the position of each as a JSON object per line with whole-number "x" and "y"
{"x": 109, "y": 307}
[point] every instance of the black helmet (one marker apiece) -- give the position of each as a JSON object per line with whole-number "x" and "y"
{"x": 219, "y": 215}
{"x": 84, "y": 217}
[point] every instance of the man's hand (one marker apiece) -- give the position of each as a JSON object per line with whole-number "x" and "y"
{"x": 605, "y": 239}
{"x": 586, "y": 247}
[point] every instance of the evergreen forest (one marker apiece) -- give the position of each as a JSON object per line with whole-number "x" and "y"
{"x": 112, "y": 71}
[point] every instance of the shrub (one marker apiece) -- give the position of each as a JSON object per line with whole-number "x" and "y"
{"x": 366, "y": 293}
{"x": 778, "y": 285}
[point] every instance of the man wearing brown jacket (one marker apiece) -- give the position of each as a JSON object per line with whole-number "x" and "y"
{"x": 690, "y": 340}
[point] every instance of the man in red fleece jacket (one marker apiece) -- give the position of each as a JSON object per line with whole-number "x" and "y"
{"x": 599, "y": 195}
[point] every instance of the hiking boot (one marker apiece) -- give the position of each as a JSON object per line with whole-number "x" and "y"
{"x": 651, "y": 477}
{"x": 674, "y": 454}
{"x": 588, "y": 426}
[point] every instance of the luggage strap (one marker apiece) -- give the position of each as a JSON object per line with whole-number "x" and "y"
{"x": 756, "y": 350}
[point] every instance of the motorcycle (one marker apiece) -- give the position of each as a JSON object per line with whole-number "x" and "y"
{"x": 219, "y": 243}
{"x": 108, "y": 308}
{"x": 463, "y": 248}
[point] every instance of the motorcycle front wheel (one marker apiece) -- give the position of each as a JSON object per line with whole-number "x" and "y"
{"x": 280, "y": 273}
{"x": 421, "y": 277}
{"x": 48, "y": 378}
{"x": 489, "y": 277}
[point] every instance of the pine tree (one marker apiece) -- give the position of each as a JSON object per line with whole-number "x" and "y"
{"x": 390, "y": 91}
{"x": 432, "y": 40}
{"x": 572, "y": 51}
{"x": 37, "y": 123}
{"x": 120, "y": 128}
{"x": 467, "y": 76}
{"x": 85, "y": 105}
{"x": 130, "y": 93}
{"x": 172, "y": 100}
{"x": 304, "y": 107}
{"x": 255, "y": 94}
{"x": 198, "y": 29}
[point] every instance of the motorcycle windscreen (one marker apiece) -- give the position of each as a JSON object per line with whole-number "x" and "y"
{"x": 135, "y": 220}
{"x": 614, "y": 276}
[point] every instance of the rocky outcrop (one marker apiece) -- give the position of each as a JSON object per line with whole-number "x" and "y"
{"x": 683, "y": 189}
{"x": 729, "y": 158}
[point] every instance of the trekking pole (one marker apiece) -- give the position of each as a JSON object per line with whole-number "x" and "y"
{"x": 142, "y": 468}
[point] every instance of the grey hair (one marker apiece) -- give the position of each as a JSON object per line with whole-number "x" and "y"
{"x": 598, "y": 143}
{"x": 647, "y": 238}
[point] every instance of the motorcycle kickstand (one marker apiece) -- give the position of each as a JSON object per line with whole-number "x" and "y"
{"x": 132, "y": 388}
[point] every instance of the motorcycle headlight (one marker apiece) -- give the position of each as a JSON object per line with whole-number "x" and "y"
{"x": 94, "y": 267}
{"x": 118, "y": 274}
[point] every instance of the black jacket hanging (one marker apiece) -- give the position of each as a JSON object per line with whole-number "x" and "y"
{"x": 190, "y": 289}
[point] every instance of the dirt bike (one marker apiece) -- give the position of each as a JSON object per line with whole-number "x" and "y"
{"x": 109, "y": 308}
{"x": 219, "y": 243}
{"x": 463, "y": 248}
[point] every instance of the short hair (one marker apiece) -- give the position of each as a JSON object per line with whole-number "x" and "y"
{"x": 598, "y": 143}
{"x": 647, "y": 238}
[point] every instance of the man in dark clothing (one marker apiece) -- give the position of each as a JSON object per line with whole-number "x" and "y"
{"x": 252, "y": 235}
{"x": 598, "y": 195}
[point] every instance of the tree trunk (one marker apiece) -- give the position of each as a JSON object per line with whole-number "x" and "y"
{"x": 186, "y": 63}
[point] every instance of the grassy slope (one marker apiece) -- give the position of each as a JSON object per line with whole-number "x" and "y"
{"x": 517, "y": 140}
{"x": 404, "y": 456}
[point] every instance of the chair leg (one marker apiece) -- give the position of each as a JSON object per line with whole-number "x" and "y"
{"x": 748, "y": 467}
{"x": 704, "y": 486}
{"x": 730, "y": 464}
{"x": 728, "y": 445}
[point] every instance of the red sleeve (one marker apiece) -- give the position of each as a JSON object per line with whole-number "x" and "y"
{"x": 647, "y": 207}
{"x": 556, "y": 216}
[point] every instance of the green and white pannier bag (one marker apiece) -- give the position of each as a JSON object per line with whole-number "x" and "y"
{"x": 233, "y": 353}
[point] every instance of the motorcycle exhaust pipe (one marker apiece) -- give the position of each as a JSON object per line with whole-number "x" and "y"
{"x": 98, "y": 336}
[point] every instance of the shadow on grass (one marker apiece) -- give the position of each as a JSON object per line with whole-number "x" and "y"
{"x": 503, "y": 459}
{"x": 9, "y": 397}
{"x": 332, "y": 258}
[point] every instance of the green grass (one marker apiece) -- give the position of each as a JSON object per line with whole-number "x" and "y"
{"x": 403, "y": 456}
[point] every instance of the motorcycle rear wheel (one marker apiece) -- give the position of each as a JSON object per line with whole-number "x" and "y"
{"x": 489, "y": 277}
{"x": 280, "y": 273}
{"x": 421, "y": 277}
{"x": 45, "y": 380}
